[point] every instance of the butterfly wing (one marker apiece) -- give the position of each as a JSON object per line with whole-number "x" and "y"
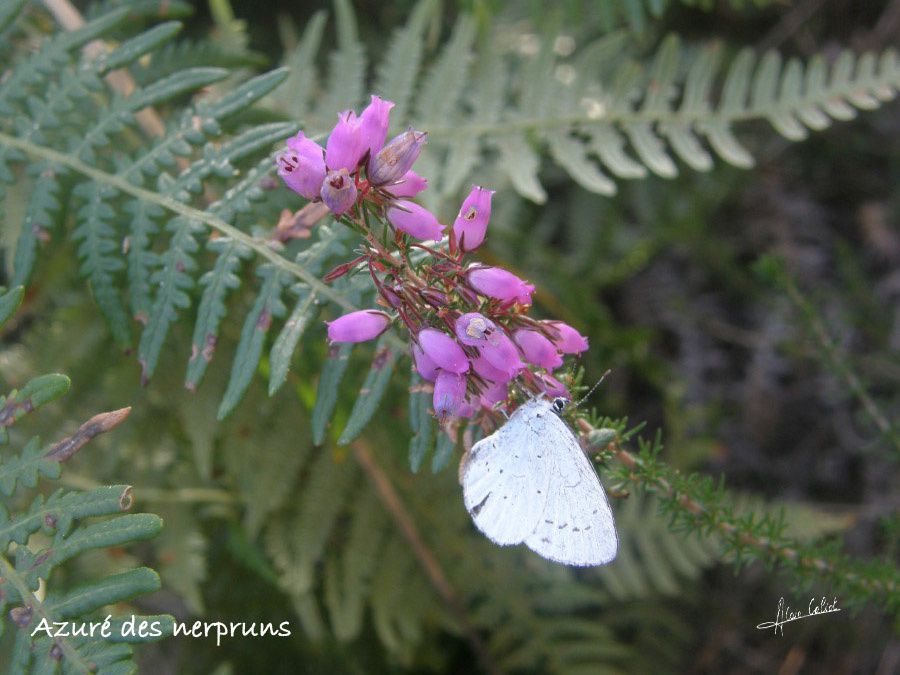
{"x": 504, "y": 491}
{"x": 576, "y": 526}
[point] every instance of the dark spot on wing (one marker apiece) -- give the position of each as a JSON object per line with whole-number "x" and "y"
{"x": 576, "y": 529}
{"x": 587, "y": 528}
{"x": 563, "y": 526}
{"x": 480, "y": 505}
{"x": 545, "y": 540}
{"x": 549, "y": 522}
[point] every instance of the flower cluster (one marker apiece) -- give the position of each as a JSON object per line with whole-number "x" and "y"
{"x": 469, "y": 324}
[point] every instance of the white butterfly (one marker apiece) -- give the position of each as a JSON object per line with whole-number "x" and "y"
{"x": 530, "y": 482}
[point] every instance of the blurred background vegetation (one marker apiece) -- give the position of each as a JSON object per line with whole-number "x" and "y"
{"x": 751, "y": 314}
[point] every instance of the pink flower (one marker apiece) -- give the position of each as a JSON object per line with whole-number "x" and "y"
{"x": 501, "y": 353}
{"x": 345, "y": 145}
{"x": 499, "y": 284}
{"x": 443, "y": 350}
{"x": 496, "y": 392}
{"x": 302, "y": 166}
{"x": 570, "y": 341}
{"x": 449, "y": 393}
{"x": 538, "y": 350}
{"x": 473, "y": 329}
{"x": 338, "y": 191}
{"x": 424, "y": 365}
{"x": 360, "y": 326}
{"x": 552, "y": 386}
{"x": 488, "y": 372}
{"x": 373, "y": 124}
{"x": 472, "y": 221}
{"x": 396, "y": 158}
{"x": 409, "y": 185}
{"x": 415, "y": 220}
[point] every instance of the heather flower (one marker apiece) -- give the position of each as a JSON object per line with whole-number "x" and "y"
{"x": 338, "y": 191}
{"x": 360, "y": 326}
{"x": 396, "y": 158}
{"x": 552, "y": 386}
{"x": 488, "y": 372}
{"x": 472, "y": 221}
{"x": 570, "y": 341}
{"x": 537, "y": 349}
{"x": 501, "y": 353}
{"x": 373, "y": 124}
{"x": 473, "y": 329}
{"x": 302, "y": 166}
{"x": 425, "y": 366}
{"x": 409, "y": 186}
{"x": 495, "y": 393}
{"x": 346, "y": 145}
{"x": 449, "y": 393}
{"x": 443, "y": 350}
{"x": 415, "y": 220}
{"x": 499, "y": 284}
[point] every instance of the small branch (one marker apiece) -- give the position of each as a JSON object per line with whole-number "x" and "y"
{"x": 95, "y": 426}
{"x": 426, "y": 558}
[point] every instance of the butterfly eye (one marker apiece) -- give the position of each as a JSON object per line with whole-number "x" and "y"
{"x": 559, "y": 404}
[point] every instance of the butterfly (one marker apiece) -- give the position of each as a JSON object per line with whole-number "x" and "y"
{"x": 530, "y": 482}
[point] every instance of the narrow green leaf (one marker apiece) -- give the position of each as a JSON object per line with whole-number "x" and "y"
{"x": 92, "y": 596}
{"x": 134, "y": 48}
{"x": 286, "y": 342}
{"x": 443, "y": 452}
{"x": 268, "y": 304}
{"x": 371, "y": 393}
{"x": 9, "y": 303}
{"x": 420, "y": 422}
{"x": 327, "y": 392}
{"x": 521, "y": 163}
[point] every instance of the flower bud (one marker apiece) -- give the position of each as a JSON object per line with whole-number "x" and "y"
{"x": 415, "y": 220}
{"x": 538, "y": 350}
{"x": 302, "y": 166}
{"x": 499, "y": 284}
{"x": 473, "y": 329}
{"x": 425, "y": 366}
{"x": 345, "y": 145}
{"x": 553, "y": 387}
{"x": 360, "y": 326}
{"x": 472, "y": 221}
{"x": 501, "y": 353}
{"x": 409, "y": 186}
{"x": 570, "y": 341}
{"x": 373, "y": 124}
{"x": 443, "y": 350}
{"x": 396, "y": 158}
{"x": 449, "y": 393}
{"x": 338, "y": 191}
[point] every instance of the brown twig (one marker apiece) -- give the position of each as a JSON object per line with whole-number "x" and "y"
{"x": 86, "y": 432}
{"x": 426, "y": 558}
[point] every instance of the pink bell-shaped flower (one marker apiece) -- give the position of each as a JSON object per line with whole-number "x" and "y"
{"x": 502, "y": 354}
{"x": 409, "y": 185}
{"x": 302, "y": 166}
{"x": 499, "y": 284}
{"x": 415, "y": 220}
{"x": 449, "y": 393}
{"x": 396, "y": 158}
{"x": 570, "y": 341}
{"x": 360, "y": 326}
{"x": 338, "y": 191}
{"x": 373, "y": 124}
{"x": 443, "y": 350}
{"x": 473, "y": 329}
{"x": 472, "y": 221}
{"x": 345, "y": 146}
{"x": 537, "y": 349}
{"x": 425, "y": 366}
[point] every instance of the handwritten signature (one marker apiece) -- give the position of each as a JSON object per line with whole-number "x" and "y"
{"x": 786, "y": 615}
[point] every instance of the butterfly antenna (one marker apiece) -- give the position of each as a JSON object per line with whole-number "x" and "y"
{"x": 587, "y": 395}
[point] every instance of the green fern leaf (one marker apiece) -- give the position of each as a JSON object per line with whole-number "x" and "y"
{"x": 372, "y": 391}
{"x": 327, "y": 393}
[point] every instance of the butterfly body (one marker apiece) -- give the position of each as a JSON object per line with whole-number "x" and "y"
{"x": 530, "y": 482}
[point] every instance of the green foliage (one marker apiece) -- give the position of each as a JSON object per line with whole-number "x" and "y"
{"x": 39, "y": 533}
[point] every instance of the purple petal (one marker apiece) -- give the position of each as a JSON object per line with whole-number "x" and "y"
{"x": 409, "y": 186}
{"x": 374, "y": 122}
{"x": 472, "y": 221}
{"x": 538, "y": 350}
{"x": 338, "y": 191}
{"x": 449, "y": 393}
{"x": 396, "y": 158}
{"x": 473, "y": 329}
{"x": 415, "y": 220}
{"x": 570, "y": 341}
{"x": 496, "y": 392}
{"x": 499, "y": 284}
{"x": 553, "y": 387}
{"x": 345, "y": 144}
{"x": 358, "y": 326}
{"x": 443, "y": 350}
{"x": 487, "y": 371}
{"x": 424, "y": 365}
{"x": 501, "y": 353}
{"x": 302, "y": 166}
